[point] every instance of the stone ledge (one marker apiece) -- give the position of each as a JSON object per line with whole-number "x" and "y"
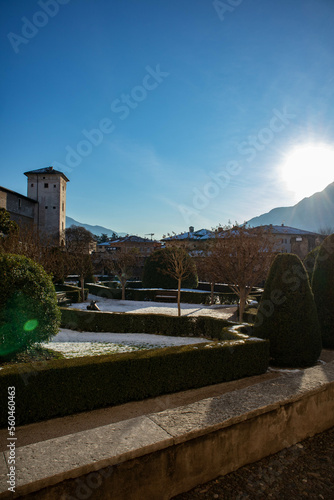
{"x": 211, "y": 414}
{"x": 77, "y": 454}
{"x": 159, "y": 439}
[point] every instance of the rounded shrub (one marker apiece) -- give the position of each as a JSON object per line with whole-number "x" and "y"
{"x": 155, "y": 275}
{"x": 28, "y": 305}
{"x": 323, "y": 289}
{"x": 287, "y": 314}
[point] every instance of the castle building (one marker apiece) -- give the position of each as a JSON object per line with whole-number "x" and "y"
{"x": 44, "y": 207}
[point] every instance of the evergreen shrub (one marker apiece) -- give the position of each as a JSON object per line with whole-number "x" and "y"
{"x": 183, "y": 326}
{"x": 323, "y": 289}
{"x": 63, "y": 387}
{"x": 187, "y": 296}
{"x": 287, "y": 314}
{"x": 309, "y": 262}
{"x": 73, "y": 293}
{"x": 28, "y": 305}
{"x": 104, "y": 291}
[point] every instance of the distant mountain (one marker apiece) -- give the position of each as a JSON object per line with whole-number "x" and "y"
{"x": 97, "y": 230}
{"x": 311, "y": 214}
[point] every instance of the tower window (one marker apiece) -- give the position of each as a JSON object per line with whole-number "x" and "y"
{"x": 20, "y": 203}
{"x": 46, "y": 208}
{"x": 54, "y": 208}
{"x": 46, "y": 185}
{"x": 31, "y": 185}
{"x": 55, "y": 185}
{"x": 62, "y": 207}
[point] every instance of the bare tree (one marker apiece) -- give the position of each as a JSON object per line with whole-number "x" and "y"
{"x": 122, "y": 264}
{"x": 79, "y": 244}
{"x": 242, "y": 257}
{"x": 207, "y": 270}
{"x": 179, "y": 265}
{"x": 42, "y": 248}
{"x": 326, "y": 230}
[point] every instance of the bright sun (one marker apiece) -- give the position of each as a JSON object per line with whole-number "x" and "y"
{"x": 308, "y": 169}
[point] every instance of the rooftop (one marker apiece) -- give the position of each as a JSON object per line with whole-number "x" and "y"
{"x": 48, "y": 171}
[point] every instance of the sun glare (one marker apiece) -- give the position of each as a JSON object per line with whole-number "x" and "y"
{"x": 308, "y": 169}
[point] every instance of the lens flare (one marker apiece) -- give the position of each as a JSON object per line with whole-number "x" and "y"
{"x": 30, "y": 325}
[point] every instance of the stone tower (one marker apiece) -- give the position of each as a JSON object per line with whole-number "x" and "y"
{"x": 48, "y": 187}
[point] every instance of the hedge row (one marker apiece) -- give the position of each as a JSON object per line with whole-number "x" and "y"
{"x": 62, "y": 387}
{"x": 183, "y": 326}
{"x": 148, "y": 294}
{"x": 219, "y": 287}
{"x": 73, "y": 293}
{"x": 187, "y": 297}
{"x": 104, "y": 291}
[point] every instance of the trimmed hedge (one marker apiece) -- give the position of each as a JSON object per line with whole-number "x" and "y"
{"x": 287, "y": 314}
{"x": 134, "y": 284}
{"x": 29, "y": 311}
{"x": 187, "y": 297}
{"x": 63, "y": 387}
{"x": 183, "y": 326}
{"x": 104, "y": 291}
{"x": 323, "y": 289}
{"x": 219, "y": 287}
{"x": 73, "y": 293}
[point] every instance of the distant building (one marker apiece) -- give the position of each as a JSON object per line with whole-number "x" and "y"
{"x": 288, "y": 239}
{"x": 44, "y": 207}
{"x": 143, "y": 246}
{"x": 192, "y": 240}
{"x": 22, "y": 210}
{"x": 293, "y": 240}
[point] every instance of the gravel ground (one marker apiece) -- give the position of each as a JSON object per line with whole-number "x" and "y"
{"x": 305, "y": 470}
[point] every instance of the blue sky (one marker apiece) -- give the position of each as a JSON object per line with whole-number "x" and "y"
{"x": 165, "y": 114}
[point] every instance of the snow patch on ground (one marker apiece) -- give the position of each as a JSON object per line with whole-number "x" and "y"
{"x": 143, "y": 307}
{"x": 74, "y": 344}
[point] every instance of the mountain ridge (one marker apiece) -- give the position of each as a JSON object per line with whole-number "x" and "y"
{"x": 312, "y": 213}
{"x": 97, "y": 230}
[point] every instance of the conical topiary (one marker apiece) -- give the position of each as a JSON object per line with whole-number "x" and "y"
{"x": 323, "y": 289}
{"x": 287, "y": 314}
{"x": 309, "y": 261}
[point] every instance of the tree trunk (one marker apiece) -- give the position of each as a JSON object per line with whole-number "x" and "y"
{"x": 82, "y": 283}
{"x": 242, "y": 302}
{"x": 212, "y": 292}
{"x": 123, "y": 291}
{"x": 179, "y": 297}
